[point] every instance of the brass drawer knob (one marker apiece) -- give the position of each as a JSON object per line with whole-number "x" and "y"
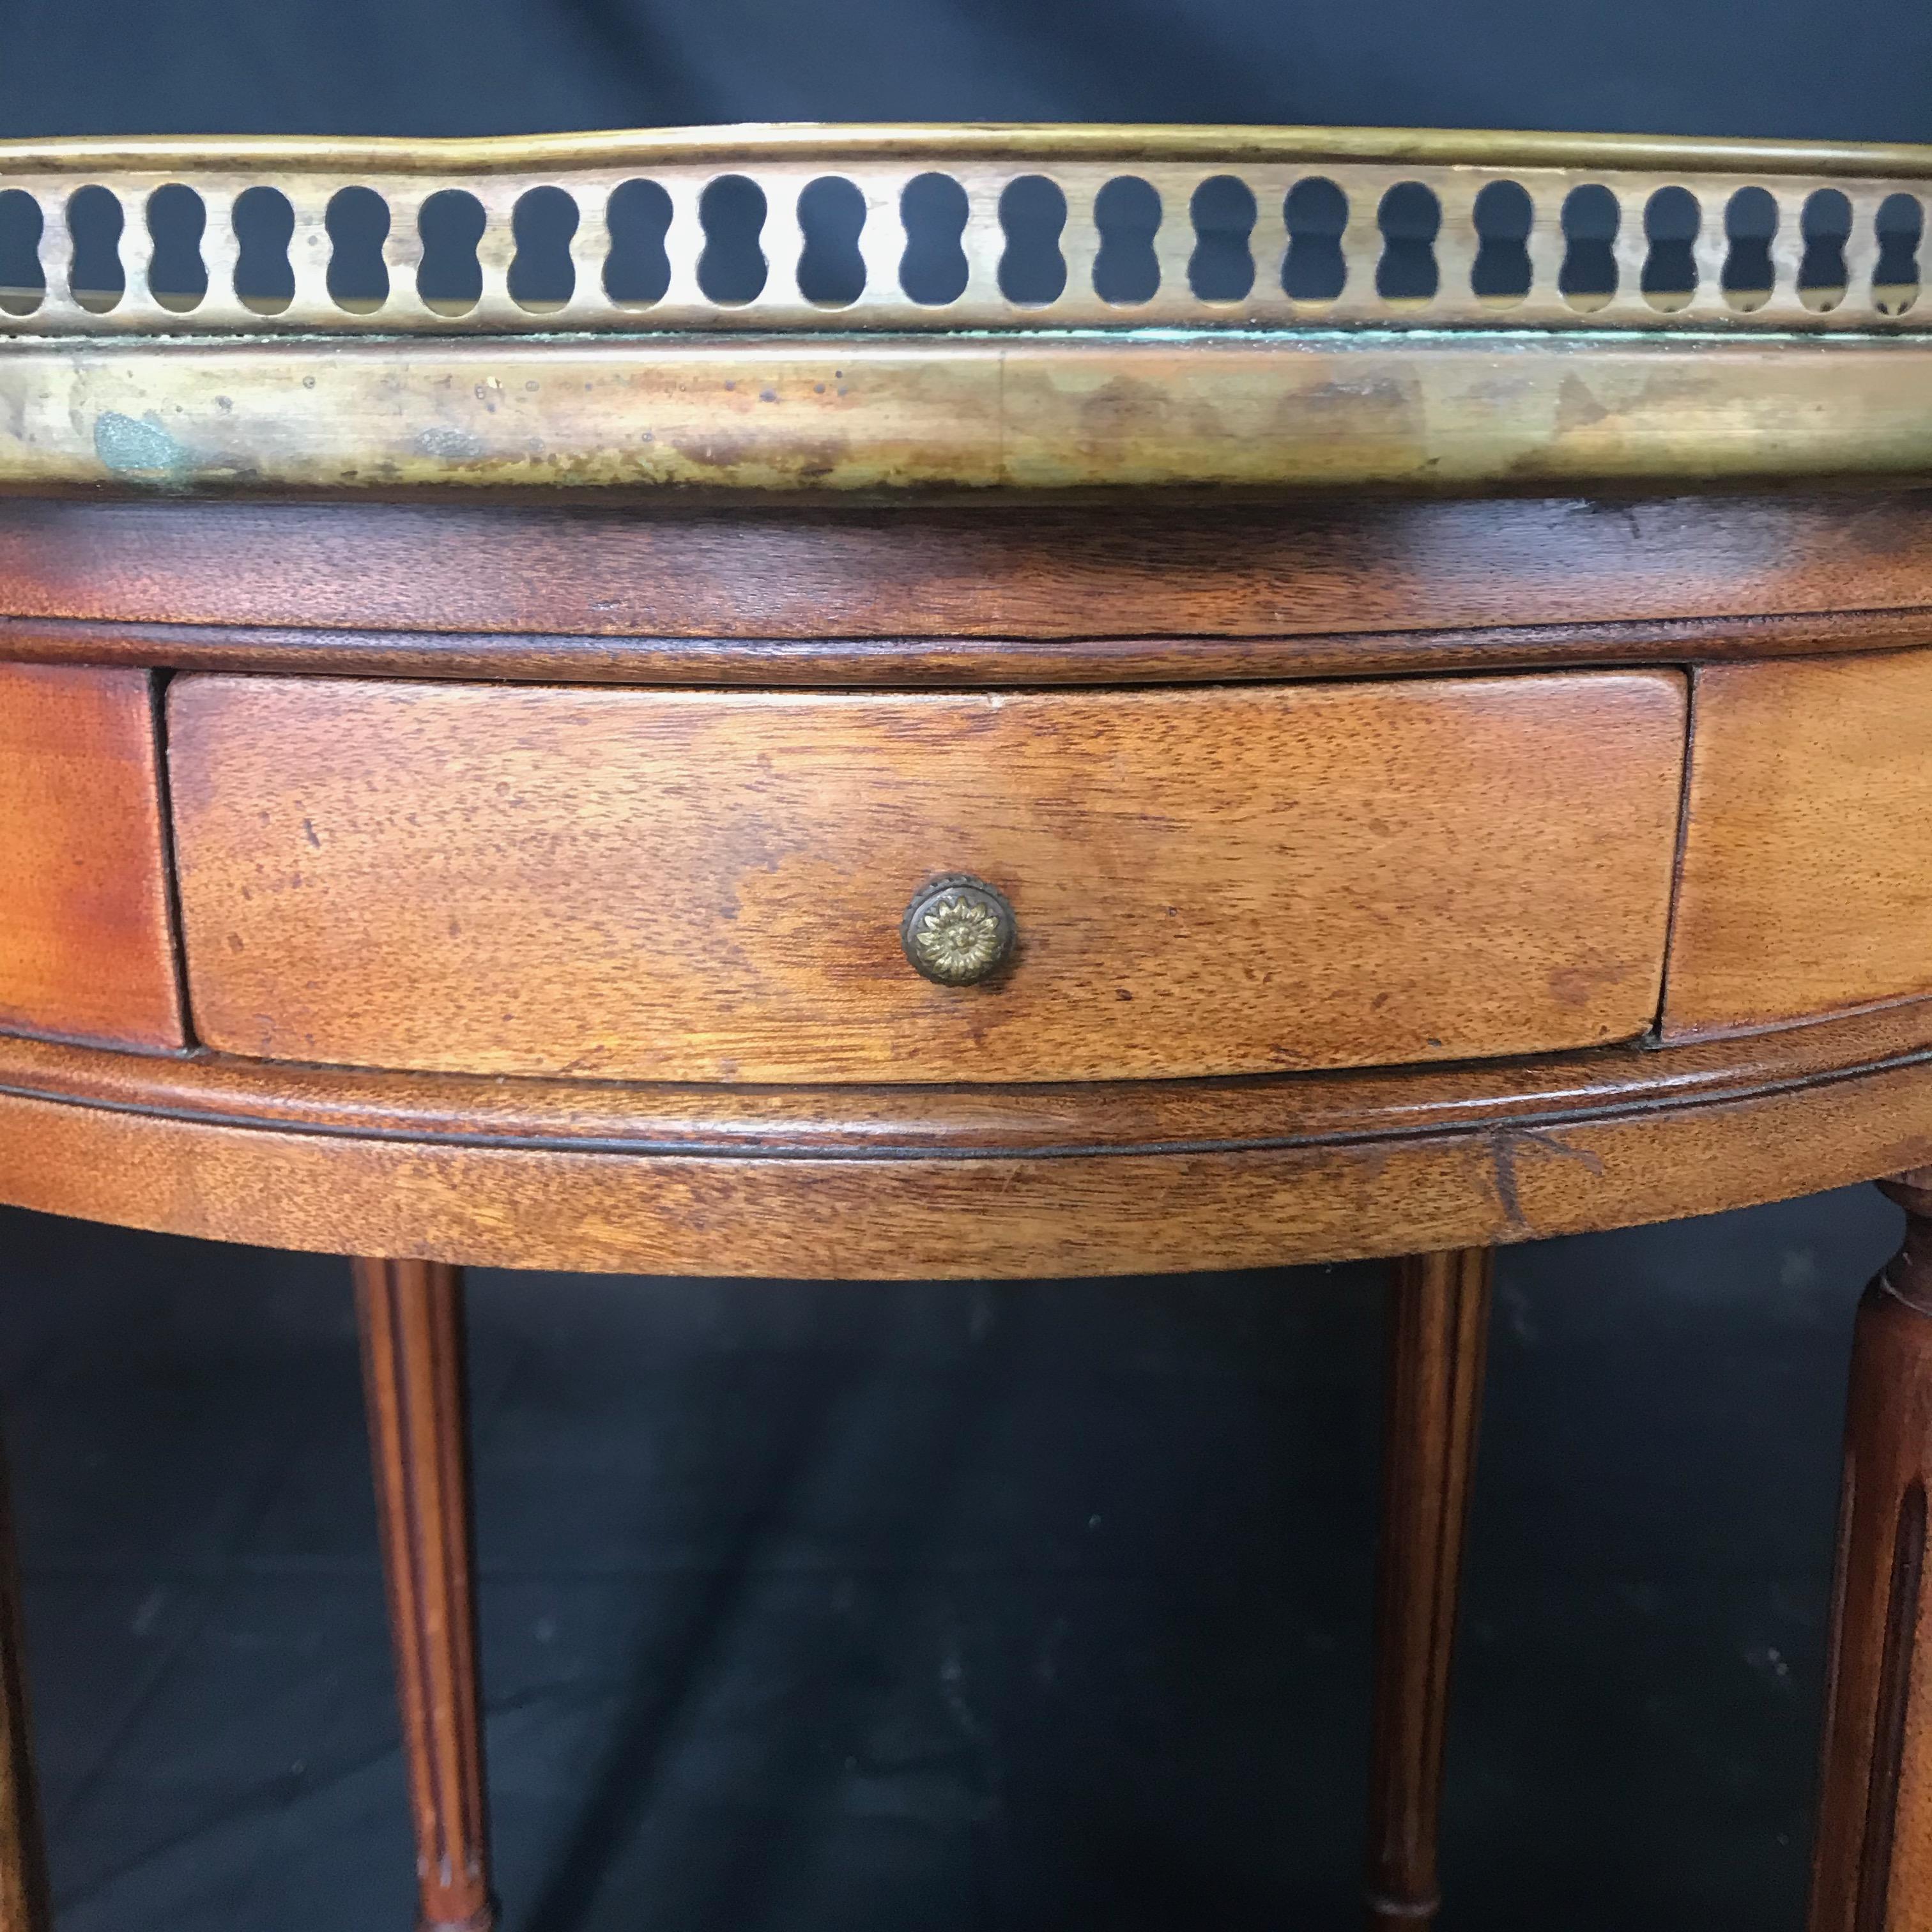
{"x": 958, "y": 930}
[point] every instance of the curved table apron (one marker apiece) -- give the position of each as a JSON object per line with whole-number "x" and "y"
{"x": 1397, "y": 732}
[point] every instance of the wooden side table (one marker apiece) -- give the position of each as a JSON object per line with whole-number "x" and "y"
{"x": 990, "y": 701}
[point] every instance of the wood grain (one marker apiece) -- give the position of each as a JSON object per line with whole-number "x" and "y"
{"x": 1140, "y": 567}
{"x": 914, "y": 662}
{"x": 410, "y": 1316}
{"x": 1804, "y": 888}
{"x": 1872, "y": 1857}
{"x": 1032, "y": 1119}
{"x": 86, "y": 942}
{"x": 707, "y": 887}
{"x": 1438, "y": 1314}
{"x": 1352, "y": 1182}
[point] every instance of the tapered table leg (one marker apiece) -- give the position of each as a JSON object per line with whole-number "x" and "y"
{"x": 23, "y": 1857}
{"x": 1438, "y": 1329}
{"x": 1872, "y": 1858}
{"x": 411, "y": 1315}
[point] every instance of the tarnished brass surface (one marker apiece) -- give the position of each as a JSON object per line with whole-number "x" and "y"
{"x": 1224, "y": 261}
{"x": 891, "y": 414}
{"x": 817, "y": 140}
{"x": 958, "y": 930}
{"x": 1686, "y": 345}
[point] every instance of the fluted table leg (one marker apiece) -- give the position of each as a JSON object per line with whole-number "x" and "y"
{"x": 411, "y": 1315}
{"x": 1872, "y": 1858}
{"x": 23, "y": 1858}
{"x": 1438, "y": 1328}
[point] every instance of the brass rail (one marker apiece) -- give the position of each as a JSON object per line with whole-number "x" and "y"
{"x": 986, "y": 228}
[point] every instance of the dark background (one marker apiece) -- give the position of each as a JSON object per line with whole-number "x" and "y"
{"x": 1037, "y": 1604}
{"x": 1853, "y": 71}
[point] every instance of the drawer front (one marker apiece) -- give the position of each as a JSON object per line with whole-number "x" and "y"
{"x": 86, "y": 944}
{"x": 697, "y": 886}
{"x": 1807, "y": 881}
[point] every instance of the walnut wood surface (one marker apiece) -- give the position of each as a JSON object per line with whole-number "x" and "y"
{"x": 1804, "y": 888}
{"x": 1130, "y": 567}
{"x": 410, "y": 1314}
{"x": 1872, "y": 1859}
{"x": 889, "y": 1183}
{"x": 1438, "y": 1313}
{"x": 708, "y": 887}
{"x": 1030, "y": 1119}
{"x": 912, "y": 662}
{"x": 86, "y": 943}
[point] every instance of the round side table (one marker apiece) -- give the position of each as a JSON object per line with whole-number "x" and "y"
{"x": 888, "y": 702}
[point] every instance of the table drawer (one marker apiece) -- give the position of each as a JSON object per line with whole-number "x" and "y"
{"x": 86, "y": 945}
{"x": 703, "y": 886}
{"x": 1806, "y": 887}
